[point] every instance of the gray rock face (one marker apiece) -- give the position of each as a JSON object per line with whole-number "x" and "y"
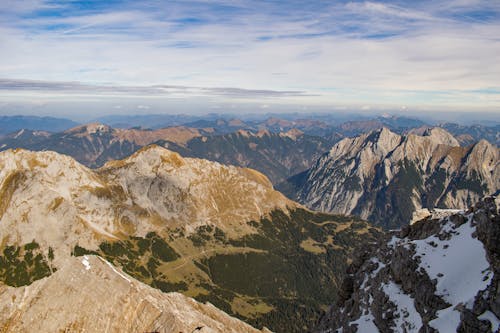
{"x": 385, "y": 177}
{"x": 436, "y": 275}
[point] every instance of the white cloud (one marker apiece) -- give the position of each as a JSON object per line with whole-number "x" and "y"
{"x": 439, "y": 59}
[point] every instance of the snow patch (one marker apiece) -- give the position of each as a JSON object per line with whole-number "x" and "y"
{"x": 366, "y": 324}
{"x": 19, "y": 134}
{"x": 85, "y": 262}
{"x": 447, "y": 320}
{"x": 407, "y": 318}
{"x": 374, "y": 272}
{"x": 115, "y": 270}
{"x": 459, "y": 264}
{"x": 490, "y": 316}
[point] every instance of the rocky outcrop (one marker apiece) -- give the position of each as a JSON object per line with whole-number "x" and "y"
{"x": 153, "y": 189}
{"x": 213, "y": 232}
{"x": 384, "y": 177}
{"x": 436, "y": 275}
{"x": 88, "y": 294}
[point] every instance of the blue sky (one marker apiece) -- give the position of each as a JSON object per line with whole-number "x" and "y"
{"x": 196, "y": 56}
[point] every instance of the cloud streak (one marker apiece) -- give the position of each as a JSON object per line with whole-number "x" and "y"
{"x": 19, "y": 85}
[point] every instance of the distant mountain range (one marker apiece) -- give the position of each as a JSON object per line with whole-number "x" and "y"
{"x": 385, "y": 177}
{"x": 439, "y": 274}
{"x": 278, "y": 155}
{"x": 10, "y": 124}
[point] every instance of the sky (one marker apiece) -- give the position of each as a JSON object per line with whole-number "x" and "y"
{"x": 88, "y": 58}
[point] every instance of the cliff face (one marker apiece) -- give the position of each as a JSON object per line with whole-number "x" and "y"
{"x": 384, "y": 177}
{"x": 440, "y": 274}
{"x": 88, "y": 294}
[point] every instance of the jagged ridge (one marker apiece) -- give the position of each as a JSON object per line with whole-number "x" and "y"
{"x": 436, "y": 275}
{"x": 384, "y": 177}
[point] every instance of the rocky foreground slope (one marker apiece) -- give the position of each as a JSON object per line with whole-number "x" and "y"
{"x": 384, "y": 177}
{"x": 216, "y": 233}
{"x": 440, "y": 274}
{"x": 88, "y": 294}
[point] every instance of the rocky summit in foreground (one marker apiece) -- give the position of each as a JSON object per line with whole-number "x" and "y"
{"x": 88, "y": 294}
{"x": 436, "y": 275}
{"x": 212, "y": 232}
{"x": 384, "y": 177}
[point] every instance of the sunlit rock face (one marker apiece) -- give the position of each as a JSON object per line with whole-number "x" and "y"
{"x": 384, "y": 177}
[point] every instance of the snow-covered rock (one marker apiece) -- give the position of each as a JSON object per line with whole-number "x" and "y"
{"x": 440, "y": 274}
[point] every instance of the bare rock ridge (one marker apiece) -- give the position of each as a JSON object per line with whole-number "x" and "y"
{"x": 436, "y": 275}
{"x": 153, "y": 189}
{"x": 384, "y": 177}
{"x": 88, "y": 294}
{"x": 216, "y": 233}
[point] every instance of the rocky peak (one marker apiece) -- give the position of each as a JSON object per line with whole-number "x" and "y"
{"x": 89, "y": 129}
{"x": 441, "y": 136}
{"x": 293, "y": 134}
{"x": 195, "y": 191}
{"x": 385, "y": 177}
{"x": 439, "y": 274}
{"x": 263, "y": 132}
{"x": 244, "y": 133}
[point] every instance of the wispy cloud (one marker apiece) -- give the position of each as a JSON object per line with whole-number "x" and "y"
{"x": 333, "y": 52}
{"x": 18, "y": 85}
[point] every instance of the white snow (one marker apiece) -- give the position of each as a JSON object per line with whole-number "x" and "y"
{"x": 85, "y": 262}
{"x": 374, "y": 273}
{"x": 447, "y": 320}
{"x": 463, "y": 264}
{"x": 490, "y": 316}
{"x": 409, "y": 319}
{"x": 19, "y": 134}
{"x": 460, "y": 267}
{"x": 115, "y": 270}
{"x": 365, "y": 324}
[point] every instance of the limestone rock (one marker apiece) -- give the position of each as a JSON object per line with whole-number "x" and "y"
{"x": 87, "y": 294}
{"x": 384, "y": 177}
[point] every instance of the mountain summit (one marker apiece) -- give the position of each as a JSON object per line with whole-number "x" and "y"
{"x": 213, "y": 232}
{"x": 384, "y": 177}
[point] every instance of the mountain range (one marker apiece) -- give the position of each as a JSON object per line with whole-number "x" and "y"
{"x": 95, "y": 144}
{"x": 385, "y": 177}
{"x": 10, "y": 124}
{"x": 216, "y": 233}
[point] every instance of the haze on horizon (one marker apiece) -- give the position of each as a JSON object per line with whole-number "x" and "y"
{"x": 71, "y": 58}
